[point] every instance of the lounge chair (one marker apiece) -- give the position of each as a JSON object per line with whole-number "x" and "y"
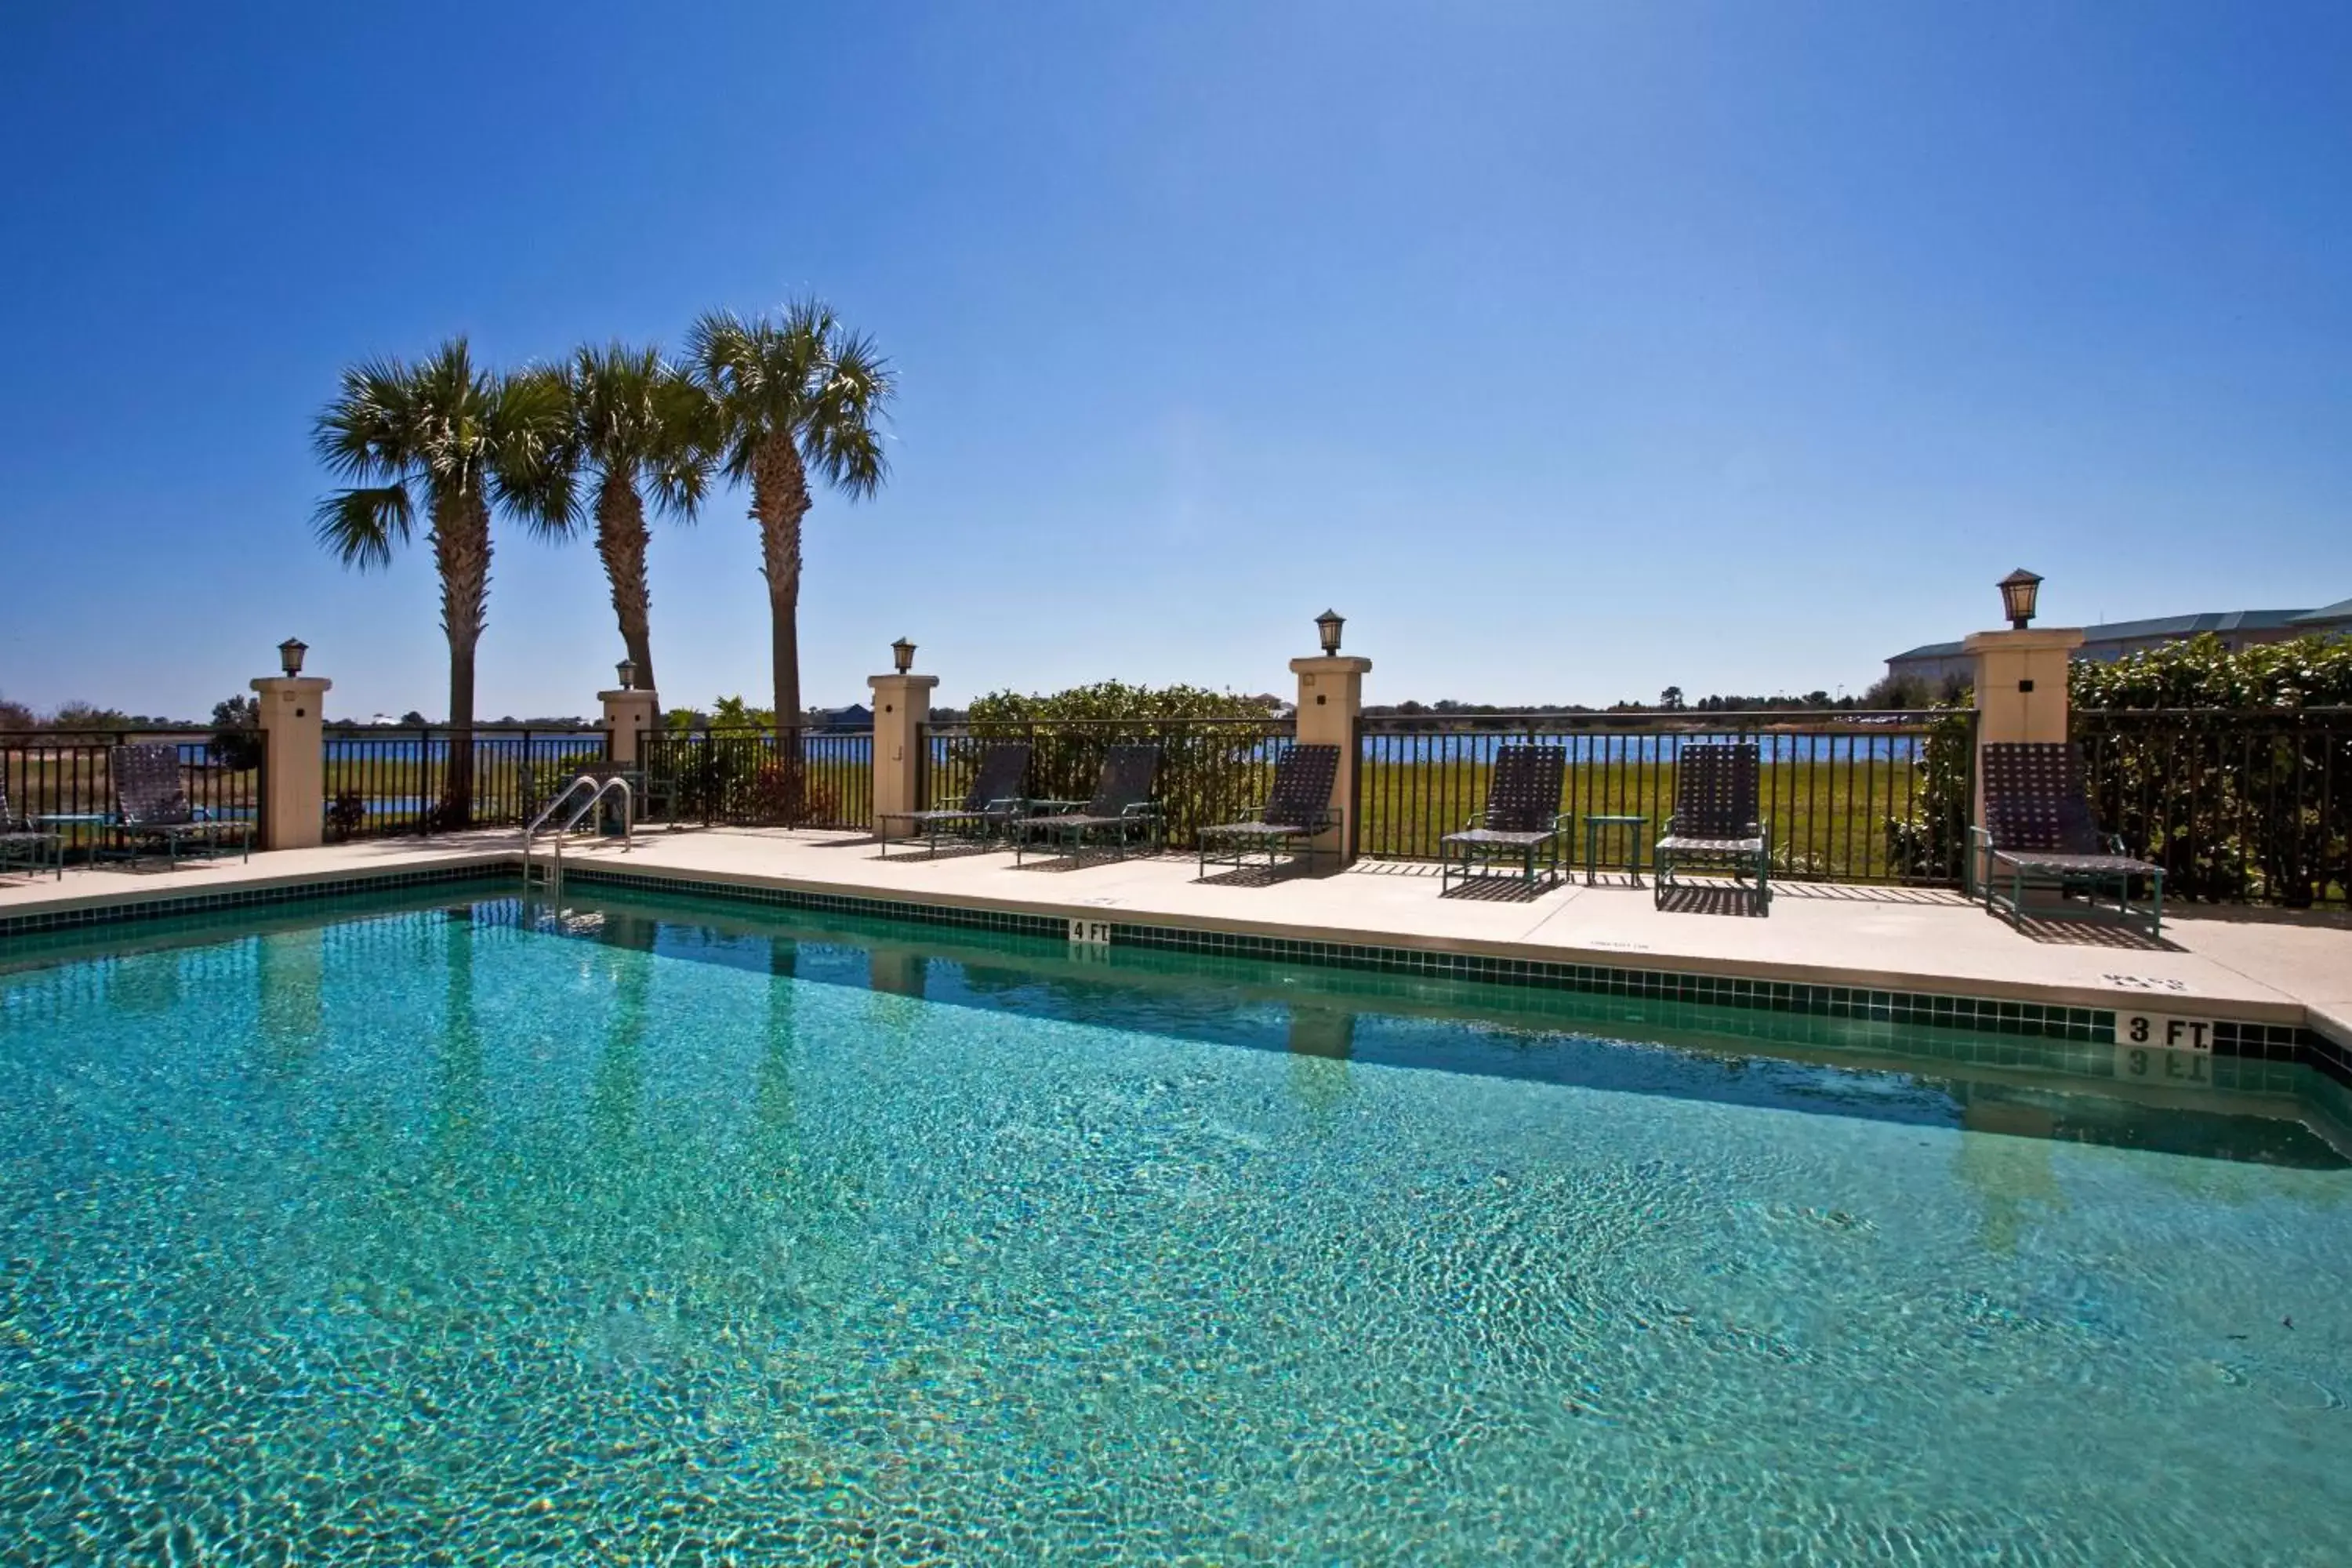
{"x": 2038, "y": 835}
{"x": 990, "y": 806}
{"x": 1122, "y": 811}
{"x": 1715, "y": 822}
{"x": 151, "y": 804}
{"x": 1296, "y": 812}
{"x": 26, "y": 845}
{"x": 1522, "y": 820}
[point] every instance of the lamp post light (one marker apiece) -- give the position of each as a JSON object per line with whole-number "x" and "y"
{"x": 902, "y": 654}
{"x": 1327, "y": 626}
{"x": 627, "y": 670}
{"x": 289, "y": 655}
{"x": 2017, "y": 593}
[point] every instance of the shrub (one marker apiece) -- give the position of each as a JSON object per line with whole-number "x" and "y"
{"x": 2231, "y": 787}
{"x": 1207, "y": 772}
{"x": 236, "y": 733}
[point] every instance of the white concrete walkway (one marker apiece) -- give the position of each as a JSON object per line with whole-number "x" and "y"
{"x": 2241, "y": 966}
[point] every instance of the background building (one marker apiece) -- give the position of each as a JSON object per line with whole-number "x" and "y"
{"x": 1937, "y": 662}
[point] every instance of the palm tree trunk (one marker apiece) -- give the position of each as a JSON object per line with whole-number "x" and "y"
{"x": 779, "y": 499}
{"x": 461, "y": 549}
{"x": 621, "y": 539}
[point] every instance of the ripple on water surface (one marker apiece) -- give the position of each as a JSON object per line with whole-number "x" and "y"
{"x": 435, "y": 1236}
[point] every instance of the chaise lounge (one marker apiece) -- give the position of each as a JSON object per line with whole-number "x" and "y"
{"x": 1522, "y": 821}
{"x": 1715, "y": 825}
{"x": 995, "y": 800}
{"x": 1297, "y": 811}
{"x": 1122, "y": 812}
{"x": 150, "y": 805}
{"x": 2038, "y": 836}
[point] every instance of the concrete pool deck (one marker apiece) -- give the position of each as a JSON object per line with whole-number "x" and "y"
{"x": 2248, "y": 966}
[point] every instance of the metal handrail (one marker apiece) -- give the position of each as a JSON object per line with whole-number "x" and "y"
{"x": 597, "y": 790}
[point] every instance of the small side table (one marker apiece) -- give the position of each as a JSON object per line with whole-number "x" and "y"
{"x": 1593, "y": 825}
{"x": 62, "y": 822}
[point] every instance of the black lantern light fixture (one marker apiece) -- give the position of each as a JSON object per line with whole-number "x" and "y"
{"x": 1327, "y": 626}
{"x": 289, "y": 655}
{"x": 627, "y": 670}
{"x": 2017, "y": 593}
{"x": 902, "y": 655}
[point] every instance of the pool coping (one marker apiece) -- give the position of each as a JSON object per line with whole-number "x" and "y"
{"x": 2287, "y": 1030}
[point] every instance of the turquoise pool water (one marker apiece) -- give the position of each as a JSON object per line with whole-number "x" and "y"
{"x": 451, "y": 1232}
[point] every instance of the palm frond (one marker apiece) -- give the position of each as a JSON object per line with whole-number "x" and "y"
{"x": 842, "y": 434}
{"x": 366, "y": 432}
{"x": 530, "y": 451}
{"x": 360, "y": 526}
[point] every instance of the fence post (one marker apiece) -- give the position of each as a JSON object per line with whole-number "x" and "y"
{"x": 2020, "y": 691}
{"x": 1331, "y": 696}
{"x": 629, "y": 713}
{"x": 293, "y": 760}
{"x": 902, "y": 706}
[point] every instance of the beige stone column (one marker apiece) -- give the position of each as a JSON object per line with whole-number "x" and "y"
{"x": 902, "y": 706}
{"x": 628, "y": 713}
{"x": 294, "y": 760}
{"x": 1331, "y": 695}
{"x": 2021, "y": 687}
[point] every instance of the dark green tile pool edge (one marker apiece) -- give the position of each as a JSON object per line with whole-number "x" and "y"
{"x": 167, "y": 906}
{"x": 2088, "y": 1025}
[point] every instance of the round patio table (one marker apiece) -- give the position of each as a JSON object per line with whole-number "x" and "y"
{"x": 1593, "y": 827}
{"x": 63, "y": 822}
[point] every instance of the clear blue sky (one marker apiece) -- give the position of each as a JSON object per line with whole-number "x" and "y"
{"x": 1569, "y": 349}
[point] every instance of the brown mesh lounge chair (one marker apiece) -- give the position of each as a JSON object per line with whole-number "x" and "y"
{"x": 1522, "y": 821}
{"x": 27, "y": 845}
{"x": 1122, "y": 814}
{"x": 1296, "y": 812}
{"x": 150, "y": 805}
{"x": 994, "y": 803}
{"x": 2038, "y": 836}
{"x": 1714, "y": 823}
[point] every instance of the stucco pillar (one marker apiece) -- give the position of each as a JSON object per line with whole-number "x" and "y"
{"x": 2020, "y": 681}
{"x": 629, "y": 713}
{"x": 294, "y": 760}
{"x": 1331, "y": 695}
{"x": 902, "y": 706}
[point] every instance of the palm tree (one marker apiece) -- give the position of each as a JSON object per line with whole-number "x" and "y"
{"x": 796, "y": 394}
{"x": 452, "y": 441}
{"x": 638, "y": 421}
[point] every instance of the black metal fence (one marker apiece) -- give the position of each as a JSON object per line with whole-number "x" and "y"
{"x": 748, "y": 778}
{"x": 2238, "y": 806}
{"x": 1211, "y": 770}
{"x": 1849, "y": 796}
{"x": 384, "y": 782}
{"x": 66, "y": 774}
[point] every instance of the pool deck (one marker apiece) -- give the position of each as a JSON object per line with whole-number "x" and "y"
{"x": 2245, "y": 965}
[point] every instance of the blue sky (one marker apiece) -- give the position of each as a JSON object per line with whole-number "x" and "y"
{"x": 1570, "y": 351}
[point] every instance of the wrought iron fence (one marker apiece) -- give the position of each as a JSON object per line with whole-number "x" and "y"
{"x": 748, "y": 777}
{"x": 1849, "y": 796}
{"x": 2237, "y": 805}
{"x": 1211, "y": 770}
{"x": 382, "y": 781}
{"x": 68, "y": 773}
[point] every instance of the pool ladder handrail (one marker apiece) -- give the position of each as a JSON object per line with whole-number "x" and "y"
{"x": 597, "y": 789}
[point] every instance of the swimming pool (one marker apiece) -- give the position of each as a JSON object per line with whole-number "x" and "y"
{"x": 439, "y": 1222}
